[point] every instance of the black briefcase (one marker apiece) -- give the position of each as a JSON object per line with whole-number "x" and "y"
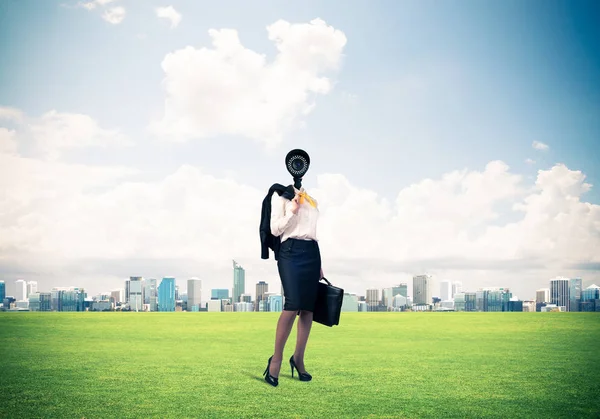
{"x": 329, "y": 304}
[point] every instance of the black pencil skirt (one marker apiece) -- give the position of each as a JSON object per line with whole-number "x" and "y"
{"x": 299, "y": 265}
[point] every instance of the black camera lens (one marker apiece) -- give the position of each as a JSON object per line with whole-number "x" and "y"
{"x": 297, "y": 162}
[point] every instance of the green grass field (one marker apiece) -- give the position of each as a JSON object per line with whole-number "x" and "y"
{"x": 394, "y": 365}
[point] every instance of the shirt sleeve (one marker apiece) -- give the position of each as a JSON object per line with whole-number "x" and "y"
{"x": 280, "y": 218}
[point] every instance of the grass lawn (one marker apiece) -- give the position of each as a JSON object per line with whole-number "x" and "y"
{"x": 393, "y": 365}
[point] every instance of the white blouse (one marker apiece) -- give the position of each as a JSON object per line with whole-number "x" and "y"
{"x": 286, "y": 224}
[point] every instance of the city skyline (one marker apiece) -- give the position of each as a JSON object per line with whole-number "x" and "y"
{"x": 441, "y": 143}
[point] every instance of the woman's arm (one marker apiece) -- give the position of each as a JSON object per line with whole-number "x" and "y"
{"x": 280, "y": 217}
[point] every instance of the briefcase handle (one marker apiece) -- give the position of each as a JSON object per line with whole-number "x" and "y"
{"x": 328, "y": 283}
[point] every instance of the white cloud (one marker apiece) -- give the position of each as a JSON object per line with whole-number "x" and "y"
{"x": 10, "y": 114}
{"x": 230, "y": 89}
{"x": 170, "y": 14}
{"x": 70, "y": 216}
{"x": 529, "y": 161}
{"x": 90, "y": 5}
{"x": 114, "y": 15}
{"x": 8, "y": 142}
{"x": 540, "y": 146}
{"x": 54, "y": 132}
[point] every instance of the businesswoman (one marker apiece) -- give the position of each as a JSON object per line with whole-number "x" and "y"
{"x": 299, "y": 265}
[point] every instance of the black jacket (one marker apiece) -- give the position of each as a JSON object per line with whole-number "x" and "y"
{"x": 267, "y": 240}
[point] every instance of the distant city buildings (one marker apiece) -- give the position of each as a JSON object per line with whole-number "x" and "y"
{"x": 149, "y": 294}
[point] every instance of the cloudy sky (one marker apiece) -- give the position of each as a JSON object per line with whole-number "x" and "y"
{"x": 459, "y": 139}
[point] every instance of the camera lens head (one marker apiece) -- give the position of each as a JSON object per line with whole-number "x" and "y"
{"x": 297, "y": 162}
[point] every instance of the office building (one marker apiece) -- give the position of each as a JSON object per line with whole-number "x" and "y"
{"x": 194, "y": 293}
{"x": 459, "y": 301}
{"x": 219, "y": 294}
{"x": 166, "y": 294}
{"x": 349, "y": 302}
{"x": 40, "y": 301}
{"x": 559, "y": 292}
{"x": 136, "y": 302}
{"x": 446, "y": 290}
{"x": 575, "y": 286}
{"x": 214, "y": 305}
{"x": 456, "y": 287}
{"x": 2, "y": 291}
{"x": 32, "y": 287}
{"x": 372, "y": 298}
{"x": 422, "y": 290}
{"x": 542, "y": 295}
{"x": 261, "y": 288}
{"x": 151, "y": 294}
{"x": 470, "y": 301}
{"x": 20, "y": 290}
{"x": 239, "y": 282}
{"x": 275, "y": 302}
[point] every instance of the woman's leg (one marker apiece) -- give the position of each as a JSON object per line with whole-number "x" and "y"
{"x": 304, "y": 325}
{"x": 284, "y": 327}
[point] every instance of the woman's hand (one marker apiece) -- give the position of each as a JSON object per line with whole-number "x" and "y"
{"x": 295, "y": 205}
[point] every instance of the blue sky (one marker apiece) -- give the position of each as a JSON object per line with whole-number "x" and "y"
{"x": 424, "y": 88}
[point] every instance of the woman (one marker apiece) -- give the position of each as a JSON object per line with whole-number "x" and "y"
{"x": 299, "y": 265}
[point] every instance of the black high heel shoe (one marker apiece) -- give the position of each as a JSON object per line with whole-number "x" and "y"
{"x": 274, "y": 381}
{"x": 304, "y": 376}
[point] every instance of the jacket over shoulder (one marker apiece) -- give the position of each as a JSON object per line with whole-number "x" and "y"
{"x": 267, "y": 239}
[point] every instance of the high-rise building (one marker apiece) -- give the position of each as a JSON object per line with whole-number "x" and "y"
{"x": 21, "y": 290}
{"x": 219, "y": 294}
{"x": 151, "y": 293}
{"x": 446, "y": 290}
{"x": 126, "y": 291}
{"x": 166, "y": 294}
{"x": 32, "y": 287}
{"x": 40, "y": 301}
{"x": 349, "y": 302}
{"x": 275, "y": 302}
{"x": 387, "y": 296}
{"x": 456, "y": 287}
{"x": 401, "y": 289}
{"x": 239, "y": 282}
{"x": 422, "y": 289}
{"x": 459, "y": 301}
{"x": 194, "y": 292}
{"x": 261, "y": 288}
{"x": 2, "y": 291}
{"x": 559, "y": 292}
{"x": 372, "y": 298}
{"x": 575, "y": 286}
{"x": 117, "y": 296}
{"x": 470, "y": 301}
{"x": 136, "y": 302}
{"x": 590, "y": 298}
{"x": 542, "y": 295}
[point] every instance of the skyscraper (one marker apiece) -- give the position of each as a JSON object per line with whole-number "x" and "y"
{"x": 261, "y": 288}
{"x": 559, "y": 292}
{"x": 456, "y": 287}
{"x": 2, "y": 291}
{"x": 21, "y": 290}
{"x": 32, "y": 287}
{"x": 166, "y": 294}
{"x": 194, "y": 292}
{"x": 151, "y": 293}
{"x": 219, "y": 294}
{"x": 136, "y": 303}
{"x": 542, "y": 295}
{"x": 372, "y": 298}
{"x": 401, "y": 289}
{"x": 422, "y": 289}
{"x": 445, "y": 290}
{"x": 239, "y": 282}
{"x": 575, "y": 286}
